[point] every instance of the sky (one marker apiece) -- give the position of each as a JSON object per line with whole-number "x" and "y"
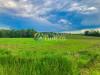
{"x": 50, "y": 15}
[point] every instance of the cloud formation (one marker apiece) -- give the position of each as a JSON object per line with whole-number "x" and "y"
{"x": 83, "y": 9}
{"x": 55, "y": 12}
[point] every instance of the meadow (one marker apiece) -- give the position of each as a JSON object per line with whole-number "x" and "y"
{"x": 72, "y": 56}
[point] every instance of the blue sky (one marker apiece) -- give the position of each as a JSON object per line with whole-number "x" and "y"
{"x": 50, "y": 15}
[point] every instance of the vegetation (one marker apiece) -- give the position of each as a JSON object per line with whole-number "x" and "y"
{"x": 92, "y": 33}
{"x": 17, "y": 33}
{"x": 30, "y": 33}
{"x": 47, "y": 53}
{"x": 72, "y": 56}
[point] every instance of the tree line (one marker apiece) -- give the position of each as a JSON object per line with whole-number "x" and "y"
{"x": 28, "y": 33}
{"x": 92, "y": 33}
{"x": 31, "y": 33}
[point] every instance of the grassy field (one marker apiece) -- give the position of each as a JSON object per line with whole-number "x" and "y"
{"x": 25, "y": 56}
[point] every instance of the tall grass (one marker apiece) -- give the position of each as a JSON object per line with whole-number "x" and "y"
{"x": 49, "y": 57}
{"x": 47, "y": 64}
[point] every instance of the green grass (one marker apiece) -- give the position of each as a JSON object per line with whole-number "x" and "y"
{"x": 73, "y": 56}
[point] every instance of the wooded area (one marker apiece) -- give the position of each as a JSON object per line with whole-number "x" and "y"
{"x": 17, "y": 33}
{"x": 31, "y": 33}
{"x": 92, "y": 33}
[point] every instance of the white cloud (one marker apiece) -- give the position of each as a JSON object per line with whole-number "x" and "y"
{"x": 84, "y": 9}
{"x": 5, "y": 27}
{"x": 64, "y": 22}
{"x": 81, "y": 31}
{"x": 35, "y": 8}
{"x": 7, "y": 4}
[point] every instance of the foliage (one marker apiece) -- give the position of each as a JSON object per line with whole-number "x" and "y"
{"x": 30, "y": 33}
{"x": 24, "y": 56}
{"x": 92, "y": 33}
{"x": 17, "y": 33}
